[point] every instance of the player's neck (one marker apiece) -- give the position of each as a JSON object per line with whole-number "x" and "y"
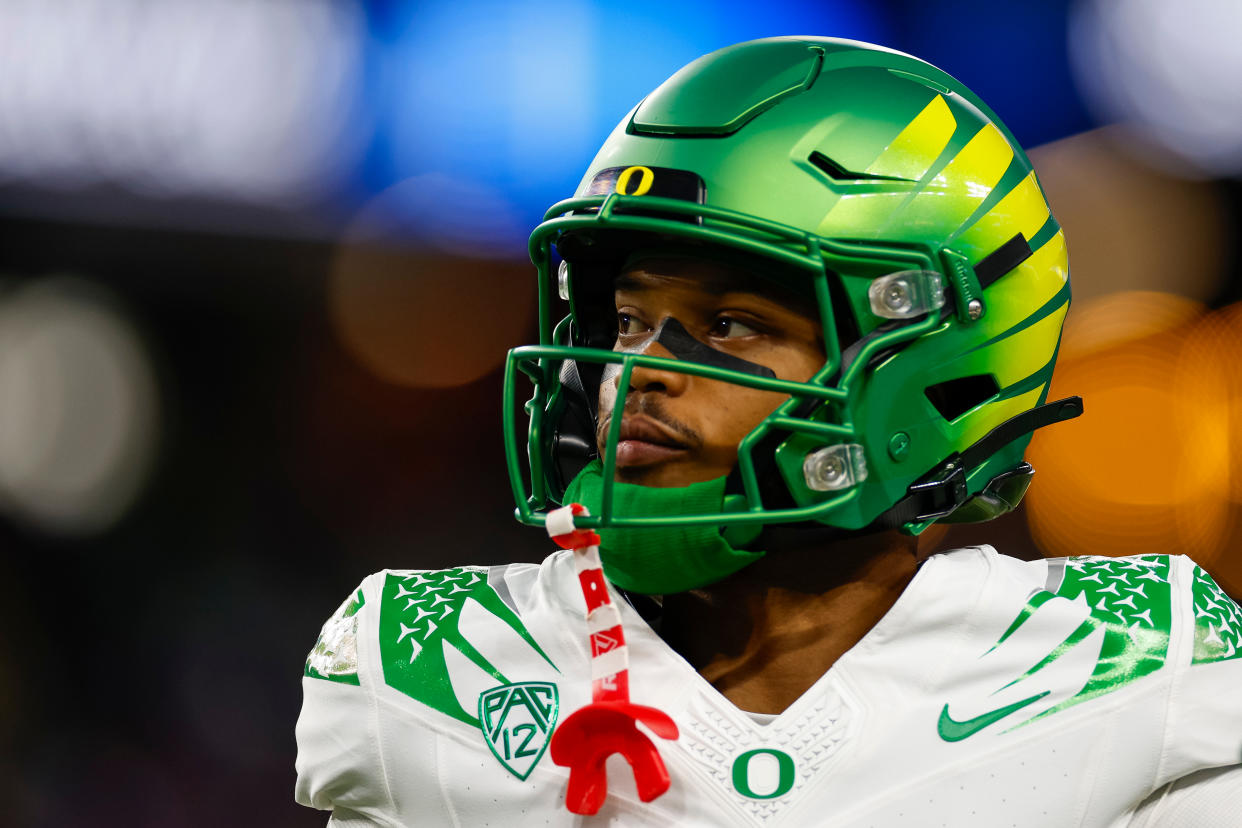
{"x": 763, "y": 636}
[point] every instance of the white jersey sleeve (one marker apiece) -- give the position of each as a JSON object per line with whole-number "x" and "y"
{"x": 339, "y": 764}
{"x": 1205, "y": 712}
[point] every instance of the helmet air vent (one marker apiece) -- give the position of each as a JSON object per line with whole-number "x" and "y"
{"x": 955, "y": 397}
{"x": 839, "y": 173}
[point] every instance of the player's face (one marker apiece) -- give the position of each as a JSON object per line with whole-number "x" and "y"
{"x": 677, "y": 428}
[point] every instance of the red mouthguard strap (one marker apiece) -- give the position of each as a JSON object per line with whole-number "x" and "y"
{"x": 608, "y": 725}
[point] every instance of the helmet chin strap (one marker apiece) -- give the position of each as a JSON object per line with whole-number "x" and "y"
{"x": 939, "y": 493}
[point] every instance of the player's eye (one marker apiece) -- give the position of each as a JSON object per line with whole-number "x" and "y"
{"x": 629, "y": 324}
{"x": 726, "y": 327}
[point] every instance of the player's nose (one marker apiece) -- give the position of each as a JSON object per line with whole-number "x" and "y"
{"x": 647, "y": 379}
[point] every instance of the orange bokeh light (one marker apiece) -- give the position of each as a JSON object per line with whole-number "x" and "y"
{"x": 1149, "y": 467}
{"x": 428, "y": 321}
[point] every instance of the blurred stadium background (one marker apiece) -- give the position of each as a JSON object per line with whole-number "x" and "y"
{"x": 260, "y": 261}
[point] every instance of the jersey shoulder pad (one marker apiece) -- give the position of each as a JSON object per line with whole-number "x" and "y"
{"x": 1205, "y": 711}
{"x": 338, "y": 763}
{"x": 1218, "y": 620}
{"x": 1119, "y": 609}
{"x": 335, "y": 654}
{"x": 442, "y": 632}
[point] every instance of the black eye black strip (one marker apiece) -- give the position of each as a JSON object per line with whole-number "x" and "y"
{"x": 673, "y": 336}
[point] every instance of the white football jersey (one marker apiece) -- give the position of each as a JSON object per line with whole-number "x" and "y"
{"x": 994, "y": 692}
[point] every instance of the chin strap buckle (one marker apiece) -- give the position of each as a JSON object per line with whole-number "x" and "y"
{"x": 608, "y": 725}
{"x": 942, "y": 494}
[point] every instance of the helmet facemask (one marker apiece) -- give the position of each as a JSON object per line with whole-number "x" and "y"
{"x": 567, "y": 371}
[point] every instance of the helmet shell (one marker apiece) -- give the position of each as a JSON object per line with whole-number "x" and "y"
{"x": 850, "y": 146}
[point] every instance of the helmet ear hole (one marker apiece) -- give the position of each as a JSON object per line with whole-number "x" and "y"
{"x": 953, "y": 398}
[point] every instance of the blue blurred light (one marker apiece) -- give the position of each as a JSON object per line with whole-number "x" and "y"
{"x": 512, "y": 100}
{"x": 1013, "y": 55}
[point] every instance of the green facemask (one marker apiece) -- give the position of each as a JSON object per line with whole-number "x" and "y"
{"x": 659, "y": 560}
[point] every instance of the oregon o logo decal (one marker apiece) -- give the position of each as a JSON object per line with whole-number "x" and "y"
{"x": 771, "y": 781}
{"x": 645, "y": 179}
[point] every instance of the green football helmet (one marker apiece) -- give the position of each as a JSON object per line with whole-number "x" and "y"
{"x": 871, "y": 182}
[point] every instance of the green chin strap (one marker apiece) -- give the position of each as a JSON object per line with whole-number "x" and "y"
{"x": 660, "y": 560}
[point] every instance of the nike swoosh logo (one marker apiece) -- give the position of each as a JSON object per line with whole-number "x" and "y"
{"x": 952, "y": 730}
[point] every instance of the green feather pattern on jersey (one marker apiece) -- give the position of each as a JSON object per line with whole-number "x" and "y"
{"x": 1130, "y": 601}
{"x": 419, "y": 617}
{"x": 1218, "y": 622}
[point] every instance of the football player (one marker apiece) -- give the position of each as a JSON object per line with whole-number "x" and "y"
{"x": 812, "y": 296}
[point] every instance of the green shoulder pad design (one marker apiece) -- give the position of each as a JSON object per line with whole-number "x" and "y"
{"x": 419, "y": 616}
{"x": 335, "y": 655}
{"x": 1218, "y": 622}
{"x": 1130, "y": 600}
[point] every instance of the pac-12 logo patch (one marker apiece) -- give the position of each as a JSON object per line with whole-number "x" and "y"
{"x": 517, "y": 722}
